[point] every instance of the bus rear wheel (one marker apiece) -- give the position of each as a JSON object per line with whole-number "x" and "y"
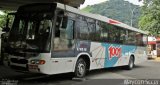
{"x": 80, "y": 69}
{"x": 131, "y": 63}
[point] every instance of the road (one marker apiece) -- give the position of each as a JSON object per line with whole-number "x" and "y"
{"x": 147, "y": 70}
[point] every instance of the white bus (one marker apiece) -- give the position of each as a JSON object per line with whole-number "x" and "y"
{"x": 53, "y": 38}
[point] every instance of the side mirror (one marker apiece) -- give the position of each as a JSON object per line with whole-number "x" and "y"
{"x": 5, "y": 29}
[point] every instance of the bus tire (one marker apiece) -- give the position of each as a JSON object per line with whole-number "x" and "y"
{"x": 1, "y": 59}
{"x": 130, "y": 64}
{"x": 80, "y": 69}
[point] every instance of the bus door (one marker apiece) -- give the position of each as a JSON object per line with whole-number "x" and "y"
{"x": 63, "y": 44}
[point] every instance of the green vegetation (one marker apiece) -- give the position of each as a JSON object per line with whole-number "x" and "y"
{"x": 120, "y": 10}
{"x": 3, "y": 20}
{"x": 150, "y": 18}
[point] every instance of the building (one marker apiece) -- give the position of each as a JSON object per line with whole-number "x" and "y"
{"x": 153, "y": 47}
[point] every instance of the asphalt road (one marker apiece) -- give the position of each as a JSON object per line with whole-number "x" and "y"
{"x": 115, "y": 76}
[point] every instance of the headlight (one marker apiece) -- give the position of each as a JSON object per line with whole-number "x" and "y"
{"x": 32, "y": 61}
{"x": 37, "y": 62}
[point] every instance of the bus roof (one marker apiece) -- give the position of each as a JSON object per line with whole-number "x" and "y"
{"x": 99, "y": 17}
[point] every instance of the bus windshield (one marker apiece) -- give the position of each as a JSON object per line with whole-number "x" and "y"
{"x": 31, "y": 31}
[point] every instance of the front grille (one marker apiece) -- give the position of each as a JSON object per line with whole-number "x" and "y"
{"x": 19, "y": 61}
{"x": 19, "y": 68}
{"x": 17, "y": 54}
{"x": 22, "y": 54}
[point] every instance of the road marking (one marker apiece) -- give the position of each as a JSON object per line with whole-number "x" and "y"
{"x": 125, "y": 77}
{"x": 35, "y": 77}
{"x": 109, "y": 75}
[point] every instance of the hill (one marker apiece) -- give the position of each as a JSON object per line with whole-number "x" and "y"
{"x": 120, "y": 10}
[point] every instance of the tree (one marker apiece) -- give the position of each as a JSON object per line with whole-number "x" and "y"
{"x": 3, "y": 19}
{"x": 150, "y": 18}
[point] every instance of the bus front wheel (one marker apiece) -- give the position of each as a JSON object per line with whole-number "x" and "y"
{"x": 80, "y": 69}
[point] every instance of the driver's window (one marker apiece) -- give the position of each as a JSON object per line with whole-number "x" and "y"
{"x": 63, "y": 40}
{"x": 45, "y": 26}
{"x": 31, "y": 30}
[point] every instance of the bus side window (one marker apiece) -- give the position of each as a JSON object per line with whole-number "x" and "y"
{"x": 105, "y": 32}
{"x": 141, "y": 39}
{"x": 123, "y": 36}
{"x": 98, "y": 31}
{"x": 145, "y": 40}
{"x": 113, "y": 34}
{"x": 91, "y": 24}
{"x": 82, "y": 28}
{"x": 131, "y": 38}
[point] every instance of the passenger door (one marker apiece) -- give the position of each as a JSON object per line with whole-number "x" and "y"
{"x": 63, "y": 46}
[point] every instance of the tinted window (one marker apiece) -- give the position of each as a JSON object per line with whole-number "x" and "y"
{"x": 98, "y": 31}
{"x": 114, "y": 34}
{"x": 123, "y": 36}
{"x": 104, "y": 32}
{"x": 82, "y": 29}
{"x": 109, "y": 33}
{"x": 131, "y": 38}
{"x": 85, "y": 28}
{"x": 91, "y": 28}
{"x": 145, "y": 40}
{"x": 141, "y": 39}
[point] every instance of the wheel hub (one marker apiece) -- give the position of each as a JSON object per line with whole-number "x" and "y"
{"x": 81, "y": 69}
{"x": 131, "y": 63}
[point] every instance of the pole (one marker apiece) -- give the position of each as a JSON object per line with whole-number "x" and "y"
{"x": 132, "y": 16}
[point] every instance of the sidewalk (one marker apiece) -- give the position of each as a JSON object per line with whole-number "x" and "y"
{"x": 157, "y": 59}
{"x": 6, "y": 73}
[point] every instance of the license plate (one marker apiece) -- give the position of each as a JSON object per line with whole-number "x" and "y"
{"x": 33, "y": 66}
